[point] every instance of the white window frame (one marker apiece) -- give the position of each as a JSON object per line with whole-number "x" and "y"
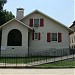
{"x": 35, "y": 36}
{"x": 38, "y": 24}
{"x": 51, "y": 38}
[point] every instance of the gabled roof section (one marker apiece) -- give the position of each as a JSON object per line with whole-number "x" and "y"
{"x": 17, "y": 21}
{"x": 37, "y": 11}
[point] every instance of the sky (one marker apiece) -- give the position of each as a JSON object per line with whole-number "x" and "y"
{"x": 60, "y": 10}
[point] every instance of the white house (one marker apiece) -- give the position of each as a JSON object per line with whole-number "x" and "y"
{"x": 72, "y": 36}
{"x": 34, "y": 32}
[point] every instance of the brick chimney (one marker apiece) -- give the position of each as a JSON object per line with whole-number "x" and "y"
{"x": 19, "y": 13}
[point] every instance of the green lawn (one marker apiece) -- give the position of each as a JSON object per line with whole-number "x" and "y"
{"x": 59, "y": 64}
{"x": 21, "y": 60}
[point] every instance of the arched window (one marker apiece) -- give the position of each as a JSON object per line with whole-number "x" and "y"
{"x": 14, "y": 38}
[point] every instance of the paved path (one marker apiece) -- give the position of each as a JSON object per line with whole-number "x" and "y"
{"x": 38, "y": 62}
{"x": 37, "y": 71}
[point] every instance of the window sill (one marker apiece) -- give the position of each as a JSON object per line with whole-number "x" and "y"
{"x": 54, "y": 41}
{"x": 36, "y": 26}
{"x": 36, "y": 40}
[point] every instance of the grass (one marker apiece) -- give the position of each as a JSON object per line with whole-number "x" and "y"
{"x": 21, "y": 60}
{"x": 24, "y": 60}
{"x": 59, "y": 64}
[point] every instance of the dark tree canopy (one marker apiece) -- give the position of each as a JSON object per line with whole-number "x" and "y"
{"x": 2, "y": 2}
{"x": 4, "y": 14}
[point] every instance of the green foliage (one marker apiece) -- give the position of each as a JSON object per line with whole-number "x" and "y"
{"x": 2, "y": 2}
{"x": 20, "y": 60}
{"x": 4, "y": 14}
{"x": 59, "y": 64}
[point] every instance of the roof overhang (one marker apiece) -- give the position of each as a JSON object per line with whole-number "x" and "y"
{"x": 17, "y": 21}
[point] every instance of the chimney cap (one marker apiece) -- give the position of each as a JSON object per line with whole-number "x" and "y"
{"x": 20, "y": 8}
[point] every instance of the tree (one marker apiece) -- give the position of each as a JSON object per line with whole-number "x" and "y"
{"x": 2, "y": 2}
{"x": 4, "y": 14}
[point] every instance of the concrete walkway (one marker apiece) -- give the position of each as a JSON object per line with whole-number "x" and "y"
{"x": 37, "y": 71}
{"x": 37, "y": 62}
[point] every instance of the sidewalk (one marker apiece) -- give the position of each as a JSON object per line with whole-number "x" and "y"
{"x": 37, "y": 71}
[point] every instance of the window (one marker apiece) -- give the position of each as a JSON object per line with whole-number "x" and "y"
{"x": 36, "y": 22}
{"x": 54, "y": 37}
{"x": 36, "y": 35}
{"x": 72, "y": 39}
{"x": 14, "y": 38}
{"x": 74, "y": 46}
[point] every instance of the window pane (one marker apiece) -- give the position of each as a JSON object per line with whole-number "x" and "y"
{"x": 14, "y": 38}
{"x": 36, "y": 22}
{"x": 54, "y": 36}
{"x": 36, "y": 35}
{"x": 74, "y": 46}
{"x": 74, "y": 38}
